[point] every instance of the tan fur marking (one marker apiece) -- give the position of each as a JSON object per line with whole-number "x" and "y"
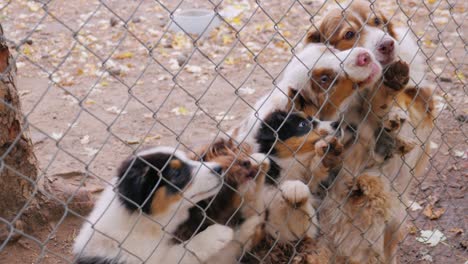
{"x": 162, "y": 201}
{"x": 297, "y": 145}
{"x": 175, "y": 164}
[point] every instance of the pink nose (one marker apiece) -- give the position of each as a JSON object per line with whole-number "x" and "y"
{"x": 363, "y": 59}
{"x": 386, "y": 47}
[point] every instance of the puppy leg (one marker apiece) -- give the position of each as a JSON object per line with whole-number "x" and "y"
{"x": 301, "y": 216}
{"x": 328, "y": 156}
{"x": 252, "y": 192}
{"x": 249, "y": 234}
{"x": 202, "y": 246}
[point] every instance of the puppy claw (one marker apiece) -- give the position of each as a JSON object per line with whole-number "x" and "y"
{"x": 295, "y": 192}
{"x": 396, "y": 76}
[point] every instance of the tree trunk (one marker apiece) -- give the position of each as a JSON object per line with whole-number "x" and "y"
{"x": 18, "y": 165}
{"x": 24, "y": 203}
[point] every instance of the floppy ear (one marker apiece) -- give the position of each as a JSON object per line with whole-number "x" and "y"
{"x": 313, "y": 37}
{"x": 296, "y": 102}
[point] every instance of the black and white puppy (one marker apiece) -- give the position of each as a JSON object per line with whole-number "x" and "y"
{"x": 134, "y": 218}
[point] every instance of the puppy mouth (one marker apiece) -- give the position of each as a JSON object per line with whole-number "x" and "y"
{"x": 386, "y": 60}
{"x": 372, "y": 76}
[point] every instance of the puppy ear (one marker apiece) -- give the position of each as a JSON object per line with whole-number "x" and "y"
{"x": 133, "y": 177}
{"x": 296, "y": 102}
{"x": 313, "y": 37}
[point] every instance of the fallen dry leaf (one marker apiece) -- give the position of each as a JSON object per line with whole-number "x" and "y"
{"x": 180, "y": 111}
{"x": 84, "y": 140}
{"x": 433, "y": 213}
{"x": 132, "y": 141}
{"x": 431, "y": 237}
{"x": 415, "y": 206}
{"x": 457, "y": 231}
{"x": 412, "y": 230}
{"x": 123, "y": 55}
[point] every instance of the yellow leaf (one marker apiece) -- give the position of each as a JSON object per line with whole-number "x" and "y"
{"x": 90, "y": 102}
{"x": 460, "y": 75}
{"x": 433, "y": 213}
{"x": 152, "y": 138}
{"x": 227, "y": 39}
{"x": 287, "y": 34}
{"x": 123, "y": 55}
{"x": 104, "y": 84}
{"x": 412, "y": 230}
{"x": 27, "y": 51}
{"x": 236, "y": 20}
{"x": 33, "y": 6}
{"x": 79, "y": 71}
{"x": 230, "y": 61}
{"x": 432, "y": 1}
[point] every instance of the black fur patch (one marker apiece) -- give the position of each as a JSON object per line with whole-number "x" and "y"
{"x": 97, "y": 260}
{"x": 138, "y": 181}
{"x": 208, "y": 213}
{"x": 281, "y": 125}
{"x": 273, "y": 174}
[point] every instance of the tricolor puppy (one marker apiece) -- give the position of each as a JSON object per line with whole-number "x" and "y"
{"x": 300, "y": 147}
{"x": 134, "y": 219}
{"x": 357, "y": 25}
{"x": 244, "y": 178}
{"x": 325, "y": 78}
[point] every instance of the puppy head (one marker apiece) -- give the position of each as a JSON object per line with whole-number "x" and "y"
{"x": 234, "y": 160}
{"x": 157, "y": 178}
{"x": 357, "y": 25}
{"x": 325, "y": 78}
{"x": 286, "y": 134}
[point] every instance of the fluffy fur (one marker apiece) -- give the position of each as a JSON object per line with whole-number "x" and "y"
{"x": 370, "y": 29}
{"x": 304, "y": 148}
{"x": 135, "y": 216}
{"x": 326, "y": 78}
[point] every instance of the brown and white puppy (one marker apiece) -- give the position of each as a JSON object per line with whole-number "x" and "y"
{"x": 286, "y": 206}
{"x": 325, "y": 77}
{"x": 135, "y": 217}
{"x": 357, "y": 25}
{"x": 300, "y": 147}
{"x": 244, "y": 177}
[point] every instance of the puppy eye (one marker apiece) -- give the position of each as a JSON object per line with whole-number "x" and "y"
{"x": 303, "y": 124}
{"x": 377, "y": 21}
{"x": 349, "y": 35}
{"x": 324, "y": 79}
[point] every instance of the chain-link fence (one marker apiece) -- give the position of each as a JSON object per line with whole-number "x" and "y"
{"x": 100, "y": 81}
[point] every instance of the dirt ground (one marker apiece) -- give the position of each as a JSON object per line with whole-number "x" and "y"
{"x": 101, "y": 79}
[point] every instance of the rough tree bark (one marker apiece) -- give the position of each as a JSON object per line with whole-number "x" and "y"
{"x": 24, "y": 203}
{"x": 16, "y": 149}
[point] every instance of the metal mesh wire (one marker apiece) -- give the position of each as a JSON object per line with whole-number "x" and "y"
{"x": 101, "y": 80}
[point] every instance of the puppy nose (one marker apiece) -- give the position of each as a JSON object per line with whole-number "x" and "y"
{"x": 335, "y": 124}
{"x": 363, "y": 59}
{"x": 218, "y": 170}
{"x": 386, "y": 47}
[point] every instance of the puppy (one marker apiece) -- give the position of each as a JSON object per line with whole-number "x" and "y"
{"x": 325, "y": 78}
{"x": 300, "y": 147}
{"x": 239, "y": 198}
{"x": 134, "y": 219}
{"x": 363, "y": 27}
